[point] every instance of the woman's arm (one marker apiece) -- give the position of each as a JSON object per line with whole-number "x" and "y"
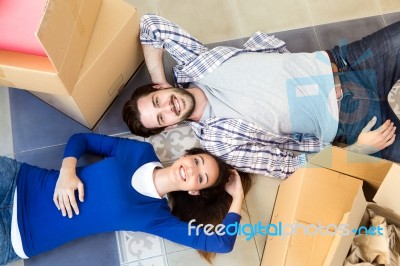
{"x": 67, "y": 183}
{"x": 198, "y": 236}
{"x": 79, "y": 144}
{"x": 235, "y": 189}
{"x": 206, "y": 237}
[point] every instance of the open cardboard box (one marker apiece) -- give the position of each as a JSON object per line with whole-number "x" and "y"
{"x": 113, "y": 55}
{"x": 323, "y": 200}
{"x": 64, "y": 32}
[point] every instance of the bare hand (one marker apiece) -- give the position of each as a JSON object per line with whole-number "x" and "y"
{"x": 64, "y": 193}
{"x": 372, "y": 141}
{"x": 234, "y": 185}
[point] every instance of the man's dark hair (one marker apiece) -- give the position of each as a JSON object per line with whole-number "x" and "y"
{"x": 131, "y": 114}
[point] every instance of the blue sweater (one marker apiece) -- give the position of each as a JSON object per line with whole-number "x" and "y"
{"x": 111, "y": 203}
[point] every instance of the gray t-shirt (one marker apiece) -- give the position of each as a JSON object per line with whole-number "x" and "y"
{"x": 282, "y": 93}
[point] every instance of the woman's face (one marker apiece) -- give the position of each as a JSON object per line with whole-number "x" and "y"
{"x": 195, "y": 172}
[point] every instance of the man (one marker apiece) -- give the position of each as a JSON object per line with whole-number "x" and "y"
{"x": 254, "y": 106}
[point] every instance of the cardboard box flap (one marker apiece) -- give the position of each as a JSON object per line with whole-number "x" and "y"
{"x": 309, "y": 245}
{"x": 390, "y": 216}
{"x": 387, "y": 194}
{"x": 325, "y": 185}
{"x": 368, "y": 168}
{"x": 342, "y": 241}
{"x": 65, "y": 33}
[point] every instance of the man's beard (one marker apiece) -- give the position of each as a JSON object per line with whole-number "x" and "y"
{"x": 188, "y": 101}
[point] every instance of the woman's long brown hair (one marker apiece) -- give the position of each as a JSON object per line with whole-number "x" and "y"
{"x": 213, "y": 203}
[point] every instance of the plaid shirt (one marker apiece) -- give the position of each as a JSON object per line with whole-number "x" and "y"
{"x": 243, "y": 145}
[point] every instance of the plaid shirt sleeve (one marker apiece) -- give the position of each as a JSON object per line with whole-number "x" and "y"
{"x": 194, "y": 60}
{"x": 248, "y": 148}
{"x": 302, "y": 143}
{"x": 158, "y": 32}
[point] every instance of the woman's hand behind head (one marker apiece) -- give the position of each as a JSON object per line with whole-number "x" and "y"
{"x": 234, "y": 185}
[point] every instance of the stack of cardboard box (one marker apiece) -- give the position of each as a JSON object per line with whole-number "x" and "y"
{"x": 92, "y": 49}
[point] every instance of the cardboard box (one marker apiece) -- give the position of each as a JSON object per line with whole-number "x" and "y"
{"x": 113, "y": 55}
{"x": 323, "y": 200}
{"x": 64, "y": 33}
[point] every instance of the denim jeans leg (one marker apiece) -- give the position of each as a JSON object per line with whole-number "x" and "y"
{"x": 378, "y": 54}
{"x": 9, "y": 170}
{"x": 358, "y": 106}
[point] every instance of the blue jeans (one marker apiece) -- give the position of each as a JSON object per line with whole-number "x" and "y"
{"x": 9, "y": 170}
{"x": 368, "y": 70}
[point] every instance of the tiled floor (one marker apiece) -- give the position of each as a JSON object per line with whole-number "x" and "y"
{"x": 34, "y": 132}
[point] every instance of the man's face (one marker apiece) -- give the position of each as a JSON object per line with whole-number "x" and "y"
{"x": 165, "y": 107}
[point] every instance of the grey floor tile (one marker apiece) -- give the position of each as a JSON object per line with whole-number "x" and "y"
{"x": 50, "y": 157}
{"x": 6, "y": 138}
{"x": 345, "y": 32}
{"x": 96, "y": 250}
{"x": 112, "y": 123}
{"x": 392, "y": 18}
{"x": 238, "y": 43}
{"x": 35, "y": 124}
{"x": 300, "y": 40}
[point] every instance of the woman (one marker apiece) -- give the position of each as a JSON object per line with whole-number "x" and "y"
{"x": 124, "y": 191}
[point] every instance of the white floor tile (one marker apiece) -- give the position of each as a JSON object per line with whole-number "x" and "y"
{"x": 135, "y": 246}
{"x": 155, "y": 261}
{"x": 244, "y": 253}
{"x": 171, "y": 247}
{"x": 260, "y": 203}
{"x": 171, "y": 144}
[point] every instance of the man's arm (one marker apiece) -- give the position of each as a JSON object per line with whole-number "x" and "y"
{"x": 369, "y": 142}
{"x": 154, "y": 62}
{"x": 302, "y": 142}
{"x": 247, "y": 147}
{"x": 158, "y": 34}
{"x": 262, "y": 159}
{"x": 194, "y": 60}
